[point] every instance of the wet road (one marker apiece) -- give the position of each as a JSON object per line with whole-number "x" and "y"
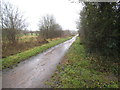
{"x": 32, "y": 73}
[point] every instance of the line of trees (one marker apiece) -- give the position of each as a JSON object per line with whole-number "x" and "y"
{"x": 99, "y": 28}
{"x": 14, "y": 25}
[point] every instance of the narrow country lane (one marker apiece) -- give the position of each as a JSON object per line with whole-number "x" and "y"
{"x": 32, "y": 73}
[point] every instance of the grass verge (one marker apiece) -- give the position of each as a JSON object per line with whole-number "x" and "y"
{"x": 77, "y": 71}
{"x": 10, "y": 61}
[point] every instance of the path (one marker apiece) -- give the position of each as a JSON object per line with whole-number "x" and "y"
{"x": 32, "y": 73}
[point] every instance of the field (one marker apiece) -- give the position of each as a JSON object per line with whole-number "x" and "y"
{"x": 25, "y": 42}
{"x": 77, "y": 70}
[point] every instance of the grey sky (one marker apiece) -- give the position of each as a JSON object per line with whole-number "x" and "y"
{"x": 65, "y": 13}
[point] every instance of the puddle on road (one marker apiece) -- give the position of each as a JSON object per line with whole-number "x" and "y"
{"x": 36, "y": 70}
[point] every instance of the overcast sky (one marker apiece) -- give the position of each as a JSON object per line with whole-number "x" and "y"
{"x": 65, "y": 12}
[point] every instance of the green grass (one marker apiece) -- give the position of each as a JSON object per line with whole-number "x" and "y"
{"x": 13, "y": 60}
{"x": 77, "y": 71}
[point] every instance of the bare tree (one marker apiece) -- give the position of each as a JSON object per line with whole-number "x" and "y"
{"x": 49, "y": 28}
{"x": 12, "y": 22}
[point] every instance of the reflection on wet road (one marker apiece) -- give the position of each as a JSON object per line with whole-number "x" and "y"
{"x": 32, "y": 73}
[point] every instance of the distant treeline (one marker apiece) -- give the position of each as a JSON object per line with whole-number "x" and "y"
{"x": 14, "y": 26}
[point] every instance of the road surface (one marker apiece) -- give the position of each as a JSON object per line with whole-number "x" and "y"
{"x": 33, "y": 72}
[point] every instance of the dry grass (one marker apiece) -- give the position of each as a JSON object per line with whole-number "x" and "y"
{"x": 24, "y": 43}
{"x": 11, "y": 49}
